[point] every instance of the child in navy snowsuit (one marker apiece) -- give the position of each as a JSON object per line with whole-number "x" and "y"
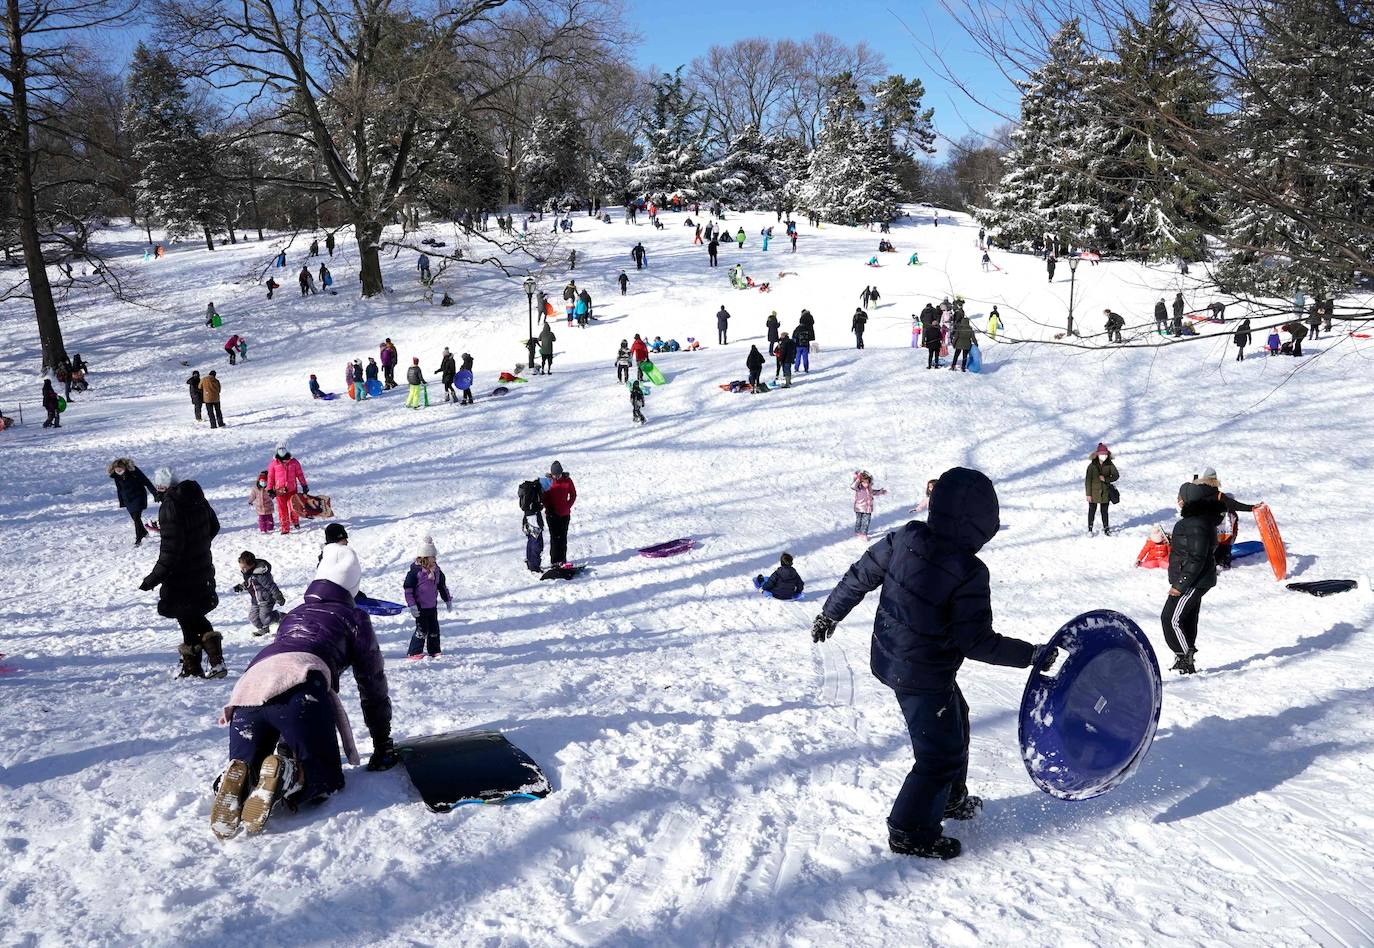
{"x": 425, "y": 586}
{"x": 935, "y": 610}
{"x": 637, "y": 402}
{"x": 263, "y": 594}
{"x": 784, "y": 583}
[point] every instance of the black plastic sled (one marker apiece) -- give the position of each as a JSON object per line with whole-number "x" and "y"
{"x": 465, "y": 767}
{"x": 1325, "y": 587}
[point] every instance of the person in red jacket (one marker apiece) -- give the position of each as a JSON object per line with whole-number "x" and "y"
{"x": 639, "y": 351}
{"x": 559, "y": 497}
{"x": 1155, "y": 553}
{"x": 283, "y": 474}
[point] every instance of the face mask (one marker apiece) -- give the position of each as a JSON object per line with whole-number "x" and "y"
{"x": 262, "y": 483}
{"x": 120, "y": 470}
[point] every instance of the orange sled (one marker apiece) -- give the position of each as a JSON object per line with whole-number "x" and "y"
{"x": 1273, "y": 541}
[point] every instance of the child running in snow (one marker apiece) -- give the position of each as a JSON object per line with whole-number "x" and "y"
{"x": 263, "y": 594}
{"x": 261, "y": 499}
{"x": 784, "y": 583}
{"x": 864, "y": 492}
{"x": 424, "y": 587}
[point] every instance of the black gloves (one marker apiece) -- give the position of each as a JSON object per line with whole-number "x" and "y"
{"x": 147, "y": 584}
{"x": 822, "y": 628}
{"x": 281, "y": 599}
{"x": 383, "y": 755}
{"x": 1044, "y": 658}
{"x": 305, "y": 488}
{"x": 238, "y": 588}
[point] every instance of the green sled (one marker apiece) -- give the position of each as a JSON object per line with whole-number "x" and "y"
{"x": 652, "y": 373}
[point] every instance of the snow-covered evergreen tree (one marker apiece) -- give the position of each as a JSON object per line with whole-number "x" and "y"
{"x": 1301, "y": 201}
{"x": 1056, "y": 170}
{"x": 672, "y": 162}
{"x": 551, "y": 167}
{"x": 1159, "y": 100}
{"x": 177, "y": 182}
{"x": 851, "y": 179}
{"x": 745, "y": 177}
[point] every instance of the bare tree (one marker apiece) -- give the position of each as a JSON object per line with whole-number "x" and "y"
{"x": 745, "y": 83}
{"x": 37, "y": 79}
{"x": 375, "y": 89}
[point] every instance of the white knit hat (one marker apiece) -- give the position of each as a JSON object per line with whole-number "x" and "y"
{"x": 163, "y": 477}
{"x": 427, "y": 547}
{"x": 340, "y": 565}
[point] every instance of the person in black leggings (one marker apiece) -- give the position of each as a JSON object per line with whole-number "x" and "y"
{"x": 1097, "y": 483}
{"x": 1192, "y": 569}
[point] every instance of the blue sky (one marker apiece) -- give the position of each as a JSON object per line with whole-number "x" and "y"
{"x": 673, "y": 34}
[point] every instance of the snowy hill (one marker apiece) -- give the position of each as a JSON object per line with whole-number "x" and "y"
{"x": 719, "y": 779}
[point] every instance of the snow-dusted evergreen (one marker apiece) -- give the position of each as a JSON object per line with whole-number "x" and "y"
{"x": 672, "y": 162}
{"x": 551, "y": 167}
{"x": 177, "y": 185}
{"x": 758, "y": 172}
{"x": 1058, "y": 163}
{"x": 1312, "y": 81}
{"x": 851, "y": 178}
{"x": 1159, "y": 101}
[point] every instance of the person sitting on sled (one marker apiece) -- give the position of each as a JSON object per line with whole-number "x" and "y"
{"x": 1155, "y": 553}
{"x": 784, "y": 583}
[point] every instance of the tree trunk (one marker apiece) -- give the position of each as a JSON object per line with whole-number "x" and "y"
{"x": 369, "y": 236}
{"x": 209, "y": 238}
{"x": 26, "y": 210}
{"x": 253, "y": 199}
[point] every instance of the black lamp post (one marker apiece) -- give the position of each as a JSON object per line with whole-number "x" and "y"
{"x": 529, "y": 336}
{"x": 1073, "y": 270}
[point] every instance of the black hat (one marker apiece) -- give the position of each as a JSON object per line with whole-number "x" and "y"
{"x": 334, "y": 533}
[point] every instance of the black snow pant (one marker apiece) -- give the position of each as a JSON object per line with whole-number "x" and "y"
{"x": 389, "y": 373}
{"x": 450, "y": 394}
{"x": 1092, "y": 512}
{"x": 426, "y": 635}
{"x": 932, "y": 357}
{"x": 302, "y": 718}
{"x": 858, "y": 339}
{"x": 720, "y": 336}
{"x": 1240, "y": 353}
{"x": 534, "y": 544}
{"x": 754, "y": 377}
{"x": 216, "y": 417}
{"x": 1223, "y": 555}
{"x": 713, "y": 258}
{"x": 546, "y": 364}
{"x": 197, "y": 403}
{"x": 938, "y": 725}
{"x": 467, "y": 396}
{"x": 622, "y": 373}
{"x": 558, "y": 538}
{"x": 954, "y": 363}
{"x": 1297, "y": 347}
{"x": 1180, "y": 620}
{"x": 140, "y": 531}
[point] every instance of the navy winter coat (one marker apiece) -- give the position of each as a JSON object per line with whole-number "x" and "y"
{"x": 133, "y": 488}
{"x": 329, "y": 626}
{"x": 935, "y": 608}
{"x": 785, "y": 583}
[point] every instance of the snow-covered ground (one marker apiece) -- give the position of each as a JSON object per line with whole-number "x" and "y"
{"x": 719, "y": 779}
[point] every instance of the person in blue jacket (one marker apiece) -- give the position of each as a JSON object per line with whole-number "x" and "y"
{"x": 934, "y": 611}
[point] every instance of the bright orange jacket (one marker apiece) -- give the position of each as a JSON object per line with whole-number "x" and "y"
{"x": 1153, "y": 555}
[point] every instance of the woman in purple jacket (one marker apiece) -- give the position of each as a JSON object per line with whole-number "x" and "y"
{"x": 289, "y": 697}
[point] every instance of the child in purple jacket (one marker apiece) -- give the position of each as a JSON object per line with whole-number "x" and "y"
{"x": 424, "y": 587}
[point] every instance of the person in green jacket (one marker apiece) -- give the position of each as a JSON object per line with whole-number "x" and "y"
{"x": 961, "y": 341}
{"x": 1097, "y": 483}
{"x": 546, "y": 340}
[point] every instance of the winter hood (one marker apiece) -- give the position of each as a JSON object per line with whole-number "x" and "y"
{"x": 963, "y": 509}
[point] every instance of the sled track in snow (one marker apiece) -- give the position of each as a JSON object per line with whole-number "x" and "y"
{"x": 837, "y": 677}
{"x": 1338, "y": 923}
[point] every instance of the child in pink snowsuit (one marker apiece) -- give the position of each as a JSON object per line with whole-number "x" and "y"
{"x": 261, "y": 499}
{"x": 283, "y": 474}
{"x": 864, "y": 492}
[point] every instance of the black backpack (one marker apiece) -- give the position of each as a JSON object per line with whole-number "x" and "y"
{"x": 531, "y": 497}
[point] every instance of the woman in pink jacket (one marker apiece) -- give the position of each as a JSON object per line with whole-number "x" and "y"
{"x": 283, "y": 474}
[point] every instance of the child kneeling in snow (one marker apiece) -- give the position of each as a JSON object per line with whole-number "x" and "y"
{"x": 261, "y": 499}
{"x": 1155, "y": 553}
{"x": 263, "y": 594}
{"x": 784, "y": 583}
{"x": 864, "y": 492}
{"x": 425, "y": 586}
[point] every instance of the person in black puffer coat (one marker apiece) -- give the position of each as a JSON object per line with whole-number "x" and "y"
{"x": 186, "y": 572}
{"x": 132, "y": 488}
{"x": 1192, "y": 569}
{"x": 935, "y": 610}
{"x": 784, "y": 582}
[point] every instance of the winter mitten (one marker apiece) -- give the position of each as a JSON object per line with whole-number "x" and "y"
{"x": 415, "y": 611}
{"x": 1044, "y": 657}
{"x": 238, "y": 588}
{"x": 383, "y": 755}
{"x": 281, "y": 599}
{"x": 147, "y": 584}
{"x": 305, "y": 488}
{"x": 822, "y": 628}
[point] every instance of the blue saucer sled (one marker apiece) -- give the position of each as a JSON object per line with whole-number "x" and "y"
{"x": 1088, "y": 723}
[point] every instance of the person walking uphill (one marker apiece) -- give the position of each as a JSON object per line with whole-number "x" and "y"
{"x": 1097, "y": 481}
{"x": 857, "y": 325}
{"x": 934, "y": 611}
{"x": 132, "y": 488}
{"x": 559, "y": 496}
{"x": 197, "y": 397}
{"x": 284, "y": 473}
{"x": 424, "y": 586}
{"x": 638, "y": 253}
{"x": 467, "y": 367}
{"x": 1241, "y": 339}
{"x": 448, "y": 368}
{"x": 1192, "y": 569}
{"x": 186, "y": 572}
{"x": 722, "y": 326}
{"x": 285, "y": 710}
{"x": 54, "y": 419}
{"x": 961, "y": 341}
{"x": 209, "y": 393}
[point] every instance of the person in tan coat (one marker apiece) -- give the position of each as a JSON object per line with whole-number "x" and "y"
{"x": 209, "y": 393}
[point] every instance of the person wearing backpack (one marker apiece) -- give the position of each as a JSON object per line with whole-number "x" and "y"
{"x": 530, "y": 495}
